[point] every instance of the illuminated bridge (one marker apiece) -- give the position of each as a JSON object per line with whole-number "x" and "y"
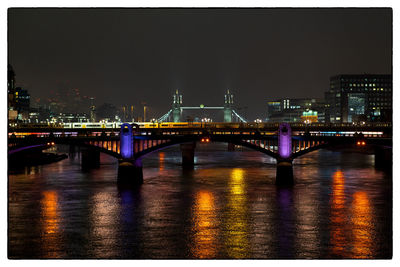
{"x": 131, "y": 143}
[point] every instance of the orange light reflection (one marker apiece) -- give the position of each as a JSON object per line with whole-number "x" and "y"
{"x": 204, "y": 226}
{"x": 362, "y": 224}
{"x": 161, "y": 156}
{"x": 337, "y": 218}
{"x": 50, "y": 232}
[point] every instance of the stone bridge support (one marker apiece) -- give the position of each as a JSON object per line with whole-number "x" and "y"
{"x": 284, "y": 163}
{"x": 188, "y": 154}
{"x": 130, "y": 170}
{"x": 284, "y": 172}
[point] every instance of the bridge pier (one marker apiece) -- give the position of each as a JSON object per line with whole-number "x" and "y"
{"x": 383, "y": 157}
{"x": 284, "y": 172}
{"x": 130, "y": 172}
{"x": 231, "y": 147}
{"x": 90, "y": 158}
{"x": 188, "y": 154}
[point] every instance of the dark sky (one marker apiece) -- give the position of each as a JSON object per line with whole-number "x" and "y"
{"x": 125, "y": 56}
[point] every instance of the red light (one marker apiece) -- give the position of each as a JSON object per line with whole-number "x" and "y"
{"x": 358, "y": 143}
{"x": 202, "y": 139}
{"x": 363, "y": 143}
{"x": 52, "y": 143}
{"x": 207, "y": 140}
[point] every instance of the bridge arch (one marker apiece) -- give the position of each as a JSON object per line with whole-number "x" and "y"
{"x": 169, "y": 143}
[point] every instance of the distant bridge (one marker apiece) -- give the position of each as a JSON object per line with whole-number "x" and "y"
{"x": 131, "y": 143}
{"x": 175, "y": 113}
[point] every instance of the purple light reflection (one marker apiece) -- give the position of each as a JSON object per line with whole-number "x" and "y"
{"x": 25, "y": 148}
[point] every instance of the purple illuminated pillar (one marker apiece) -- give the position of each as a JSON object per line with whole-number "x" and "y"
{"x": 126, "y": 144}
{"x": 285, "y": 140}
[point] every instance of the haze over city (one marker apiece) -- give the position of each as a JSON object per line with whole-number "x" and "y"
{"x": 131, "y": 56}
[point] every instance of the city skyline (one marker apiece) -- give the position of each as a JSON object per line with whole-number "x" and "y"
{"x": 200, "y": 133}
{"x": 132, "y": 54}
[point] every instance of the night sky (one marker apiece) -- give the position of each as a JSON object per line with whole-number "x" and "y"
{"x": 126, "y": 56}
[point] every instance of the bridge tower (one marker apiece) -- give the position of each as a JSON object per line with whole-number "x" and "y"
{"x": 176, "y": 106}
{"x": 284, "y": 162}
{"x": 228, "y": 104}
{"x": 129, "y": 169}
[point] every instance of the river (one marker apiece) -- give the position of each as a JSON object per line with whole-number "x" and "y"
{"x": 227, "y": 207}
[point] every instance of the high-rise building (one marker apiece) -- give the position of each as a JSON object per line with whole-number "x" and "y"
{"x": 292, "y": 109}
{"x": 92, "y": 109}
{"x": 362, "y": 97}
{"x": 12, "y": 111}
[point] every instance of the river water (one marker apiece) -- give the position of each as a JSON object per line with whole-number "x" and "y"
{"x": 227, "y": 207}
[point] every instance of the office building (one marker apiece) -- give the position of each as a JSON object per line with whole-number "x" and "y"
{"x": 363, "y": 97}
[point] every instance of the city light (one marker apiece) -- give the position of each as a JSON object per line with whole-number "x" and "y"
{"x": 206, "y": 120}
{"x": 106, "y": 161}
{"x": 205, "y": 140}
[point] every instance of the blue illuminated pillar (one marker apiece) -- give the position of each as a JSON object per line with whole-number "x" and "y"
{"x": 284, "y": 167}
{"x": 126, "y": 141}
{"x": 129, "y": 168}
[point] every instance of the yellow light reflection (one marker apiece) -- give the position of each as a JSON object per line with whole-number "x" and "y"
{"x": 161, "y": 156}
{"x": 237, "y": 227}
{"x": 50, "y": 225}
{"x": 362, "y": 224}
{"x": 204, "y": 226}
{"x": 337, "y": 217}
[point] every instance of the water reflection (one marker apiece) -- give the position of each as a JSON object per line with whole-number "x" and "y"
{"x": 237, "y": 225}
{"x": 285, "y": 224}
{"x": 204, "y": 228}
{"x": 362, "y": 226}
{"x": 215, "y": 211}
{"x": 307, "y": 216}
{"x": 50, "y": 234}
{"x": 104, "y": 218}
{"x": 161, "y": 160}
{"x": 338, "y": 215}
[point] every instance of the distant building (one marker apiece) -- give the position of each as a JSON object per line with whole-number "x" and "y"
{"x": 292, "y": 109}
{"x": 362, "y": 97}
{"x": 22, "y": 103}
{"x": 92, "y": 110}
{"x": 39, "y": 114}
{"x": 309, "y": 116}
{"x": 12, "y": 111}
{"x": 71, "y": 117}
